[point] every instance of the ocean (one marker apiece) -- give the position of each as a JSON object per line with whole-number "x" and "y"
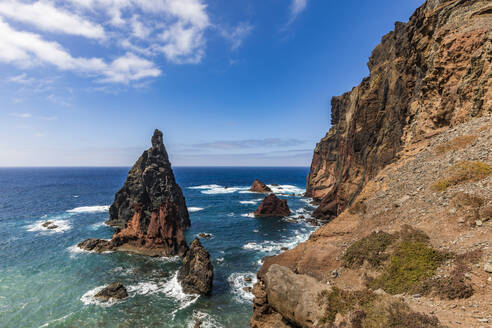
{"x": 46, "y": 281}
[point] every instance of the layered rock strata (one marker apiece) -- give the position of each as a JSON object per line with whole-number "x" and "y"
{"x": 429, "y": 74}
{"x": 272, "y": 206}
{"x": 409, "y": 146}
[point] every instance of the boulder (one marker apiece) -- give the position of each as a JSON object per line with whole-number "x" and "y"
{"x": 115, "y": 290}
{"x": 95, "y": 245}
{"x": 204, "y": 235}
{"x": 196, "y": 274}
{"x": 272, "y": 206}
{"x": 259, "y": 186}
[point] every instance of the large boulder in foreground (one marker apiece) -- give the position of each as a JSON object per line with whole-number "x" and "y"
{"x": 149, "y": 210}
{"x": 272, "y": 206}
{"x": 259, "y": 186}
{"x": 197, "y": 273}
{"x": 116, "y": 291}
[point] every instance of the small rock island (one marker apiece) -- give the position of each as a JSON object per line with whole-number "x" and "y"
{"x": 259, "y": 186}
{"x": 272, "y": 206}
{"x": 149, "y": 212}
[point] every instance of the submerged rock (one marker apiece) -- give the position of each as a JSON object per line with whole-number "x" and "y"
{"x": 150, "y": 208}
{"x": 259, "y": 186}
{"x": 47, "y": 224}
{"x": 204, "y": 235}
{"x": 196, "y": 274}
{"x": 52, "y": 227}
{"x": 272, "y": 206}
{"x": 95, "y": 245}
{"x": 115, "y": 290}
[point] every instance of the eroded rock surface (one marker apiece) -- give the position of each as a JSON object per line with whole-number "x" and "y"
{"x": 272, "y": 206}
{"x": 116, "y": 291}
{"x": 259, "y": 186}
{"x": 429, "y": 74}
{"x": 197, "y": 273}
{"x": 149, "y": 210}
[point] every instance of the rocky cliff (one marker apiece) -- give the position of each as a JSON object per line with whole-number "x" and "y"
{"x": 197, "y": 273}
{"x": 429, "y": 74}
{"x": 149, "y": 211}
{"x": 404, "y": 180}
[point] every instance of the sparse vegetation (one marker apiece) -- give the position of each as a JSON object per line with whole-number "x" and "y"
{"x": 366, "y": 309}
{"x": 411, "y": 264}
{"x": 462, "y": 172}
{"x": 371, "y": 249}
{"x": 457, "y": 143}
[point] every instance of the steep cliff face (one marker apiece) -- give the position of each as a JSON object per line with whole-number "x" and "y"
{"x": 427, "y": 75}
{"x": 149, "y": 211}
{"x": 404, "y": 170}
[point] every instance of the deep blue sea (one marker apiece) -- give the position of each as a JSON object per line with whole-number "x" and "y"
{"x": 46, "y": 281}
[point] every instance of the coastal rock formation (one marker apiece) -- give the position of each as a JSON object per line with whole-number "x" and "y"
{"x": 295, "y": 296}
{"x": 149, "y": 211}
{"x": 259, "y": 186}
{"x": 404, "y": 179}
{"x": 272, "y": 206}
{"x": 427, "y": 75}
{"x": 197, "y": 273}
{"x": 116, "y": 290}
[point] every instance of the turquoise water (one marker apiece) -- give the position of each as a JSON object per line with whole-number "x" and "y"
{"x": 45, "y": 281}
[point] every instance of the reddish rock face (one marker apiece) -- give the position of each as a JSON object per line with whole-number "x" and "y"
{"x": 427, "y": 75}
{"x": 149, "y": 209}
{"x": 272, "y": 206}
{"x": 259, "y": 186}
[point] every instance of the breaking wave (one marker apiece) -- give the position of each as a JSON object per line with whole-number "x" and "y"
{"x": 90, "y": 209}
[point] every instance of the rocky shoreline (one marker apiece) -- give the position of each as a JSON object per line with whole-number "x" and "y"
{"x": 403, "y": 183}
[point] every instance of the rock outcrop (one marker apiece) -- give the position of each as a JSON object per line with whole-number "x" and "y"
{"x": 294, "y": 296}
{"x": 116, "y": 291}
{"x": 197, "y": 273}
{"x": 149, "y": 211}
{"x": 272, "y": 206}
{"x": 409, "y": 146}
{"x": 429, "y": 74}
{"x": 259, "y": 186}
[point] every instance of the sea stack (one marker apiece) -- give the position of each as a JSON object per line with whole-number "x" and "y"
{"x": 272, "y": 206}
{"x": 259, "y": 186}
{"x": 197, "y": 273}
{"x": 149, "y": 211}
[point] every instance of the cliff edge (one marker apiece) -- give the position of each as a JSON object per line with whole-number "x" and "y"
{"x": 404, "y": 182}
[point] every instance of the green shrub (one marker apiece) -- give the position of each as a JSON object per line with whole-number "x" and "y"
{"x": 411, "y": 263}
{"x": 370, "y": 249}
{"x": 463, "y": 172}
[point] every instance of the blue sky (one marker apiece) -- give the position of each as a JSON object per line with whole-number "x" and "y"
{"x": 229, "y": 82}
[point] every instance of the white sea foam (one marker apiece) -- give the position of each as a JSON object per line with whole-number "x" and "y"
{"x": 56, "y": 320}
{"x": 171, "y": 288}
{"x": 90, "y": 209}
{"x": 308, "y": 201}
{"x": 217, "y": 189}
{"x": 76, "y": 196}
{"x": 207, "y": 320}
{"x": 195, "y": 209}
{"x": 253, "y": 202}
{"x": 88, "y": 298}
{"x": 287, "y": 189}
{"x": 238, "y": 283}
{"x": 248, "y": 215}
{"x": 97, "y": 225}
{"x": 62, "y": 226}
{"x": 75, "y": 250}
{"x": 269, "y": 246}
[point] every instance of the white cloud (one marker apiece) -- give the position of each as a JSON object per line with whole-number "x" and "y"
{"x": 130, "y": 68}
{"x": 131, "y": 34}
{"x": 27, "y": 49}
{"x": 47, "y": 17}
{"x": 22, "y": 115}
{"x": 297, "y": 6}
{"x": 238, "y": 34}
